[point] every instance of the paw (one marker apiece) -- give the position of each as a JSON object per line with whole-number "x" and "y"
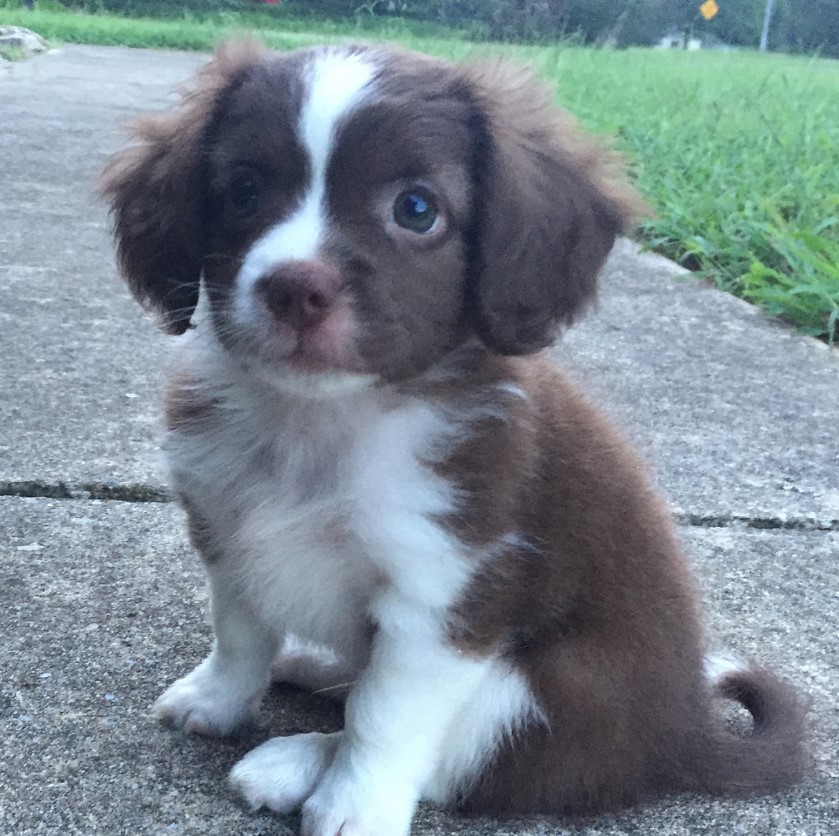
{"x": 342, "y": 806}
{"x": 207, "y": 701}
{"x": 282, "y": 773}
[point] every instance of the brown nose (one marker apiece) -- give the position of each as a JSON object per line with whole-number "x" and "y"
{"x": 300, "y": 293}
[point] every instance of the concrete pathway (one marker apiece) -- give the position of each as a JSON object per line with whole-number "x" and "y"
{"x": 103, "y": 604}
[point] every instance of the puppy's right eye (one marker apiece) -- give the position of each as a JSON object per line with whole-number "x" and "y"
{"x": 244, "y": 193}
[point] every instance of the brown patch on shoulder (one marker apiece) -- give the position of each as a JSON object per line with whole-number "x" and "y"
{"x": 530, "y": 476}
{"x": 490, "y": 461}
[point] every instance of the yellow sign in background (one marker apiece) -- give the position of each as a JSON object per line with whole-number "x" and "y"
{"x": 708, "y": 9}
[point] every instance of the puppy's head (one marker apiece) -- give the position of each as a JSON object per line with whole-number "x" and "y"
{"x": 363, "y": 211}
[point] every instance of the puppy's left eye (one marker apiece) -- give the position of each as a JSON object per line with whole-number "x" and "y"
{"x": 416, "y": 210}
{"x": 244, "y": 193}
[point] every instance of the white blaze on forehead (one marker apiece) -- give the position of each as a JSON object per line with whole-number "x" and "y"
{"x": 336, "y": 81}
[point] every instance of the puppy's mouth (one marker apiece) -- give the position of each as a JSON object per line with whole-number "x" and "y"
{"x": 326, "y": 347}
{"x": 311, "y": 352}
{"x": 315, "y": 363}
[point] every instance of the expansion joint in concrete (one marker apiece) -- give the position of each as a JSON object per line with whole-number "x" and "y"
{"x": 138, "y": 492}
{"x": 129, "y": 492}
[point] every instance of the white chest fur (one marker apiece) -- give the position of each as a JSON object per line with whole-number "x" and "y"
{"x": 316, "y": 503}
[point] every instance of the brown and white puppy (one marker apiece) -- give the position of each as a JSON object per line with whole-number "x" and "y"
{"x": 391, "y": 488}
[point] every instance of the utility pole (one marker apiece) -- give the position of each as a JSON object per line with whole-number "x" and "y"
{"x": 767, "y": 16}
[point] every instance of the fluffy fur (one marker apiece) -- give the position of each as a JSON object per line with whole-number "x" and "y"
{"x": 395, "y": 493}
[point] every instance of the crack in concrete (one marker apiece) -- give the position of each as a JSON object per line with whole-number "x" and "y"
{"x": 128, "y": 492}
{"x": 137, "y": 492}
{"x": 767, "y": 521}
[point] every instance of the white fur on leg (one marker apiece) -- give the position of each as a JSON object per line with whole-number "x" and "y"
{"x": 354, "y": 803}
{"x": 398, "y": 718}
{"x": 226, "y": 688}
{"x": 208, "y": 700}
{"x": 499, "y": 710}
{"x": 282, "y": 773}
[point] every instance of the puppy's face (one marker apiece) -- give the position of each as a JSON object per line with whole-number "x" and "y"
{"x": 358, "y": 213}
{"x": 340, "y": 205}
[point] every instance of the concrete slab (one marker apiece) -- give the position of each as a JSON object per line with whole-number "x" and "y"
{"x": 104, "y": 604}
{"x": 736, "y": 413}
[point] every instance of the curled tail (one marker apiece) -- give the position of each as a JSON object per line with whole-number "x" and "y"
{"x": 773, "y": 755}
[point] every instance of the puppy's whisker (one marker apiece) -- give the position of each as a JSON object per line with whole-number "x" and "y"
{"x": 328, "y": 689}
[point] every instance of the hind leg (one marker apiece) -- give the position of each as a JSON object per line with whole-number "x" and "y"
{"x": 617, "y": 728}
{"x": 319, "y": 669}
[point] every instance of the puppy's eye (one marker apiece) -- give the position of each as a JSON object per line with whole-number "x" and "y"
{"x": 244, "y": 193}
{"x": 416, "y": 211}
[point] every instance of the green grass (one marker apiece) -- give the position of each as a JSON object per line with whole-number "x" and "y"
{"x": 735, "y": 152}
{"x": 201, "y": 32}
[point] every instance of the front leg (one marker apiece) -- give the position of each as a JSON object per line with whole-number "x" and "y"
{"x": 226, "y": 688}
{"x": 397, "y": 719}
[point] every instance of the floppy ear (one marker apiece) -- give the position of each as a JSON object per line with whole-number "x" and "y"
{"x": 550, "y": 203}
{"x": 155, "y": 191}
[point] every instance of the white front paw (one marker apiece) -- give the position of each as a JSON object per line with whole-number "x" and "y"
{"x": 282, "y": 773}
{"x": 343, "y": 806}
{"x": 207, "y": 701}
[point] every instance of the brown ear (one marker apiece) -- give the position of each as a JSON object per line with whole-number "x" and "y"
{"x": 551, "y": 202}
{"x": 155, "y": 190}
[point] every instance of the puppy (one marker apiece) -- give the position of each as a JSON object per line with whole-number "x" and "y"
{"x": 392, "y": 490}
